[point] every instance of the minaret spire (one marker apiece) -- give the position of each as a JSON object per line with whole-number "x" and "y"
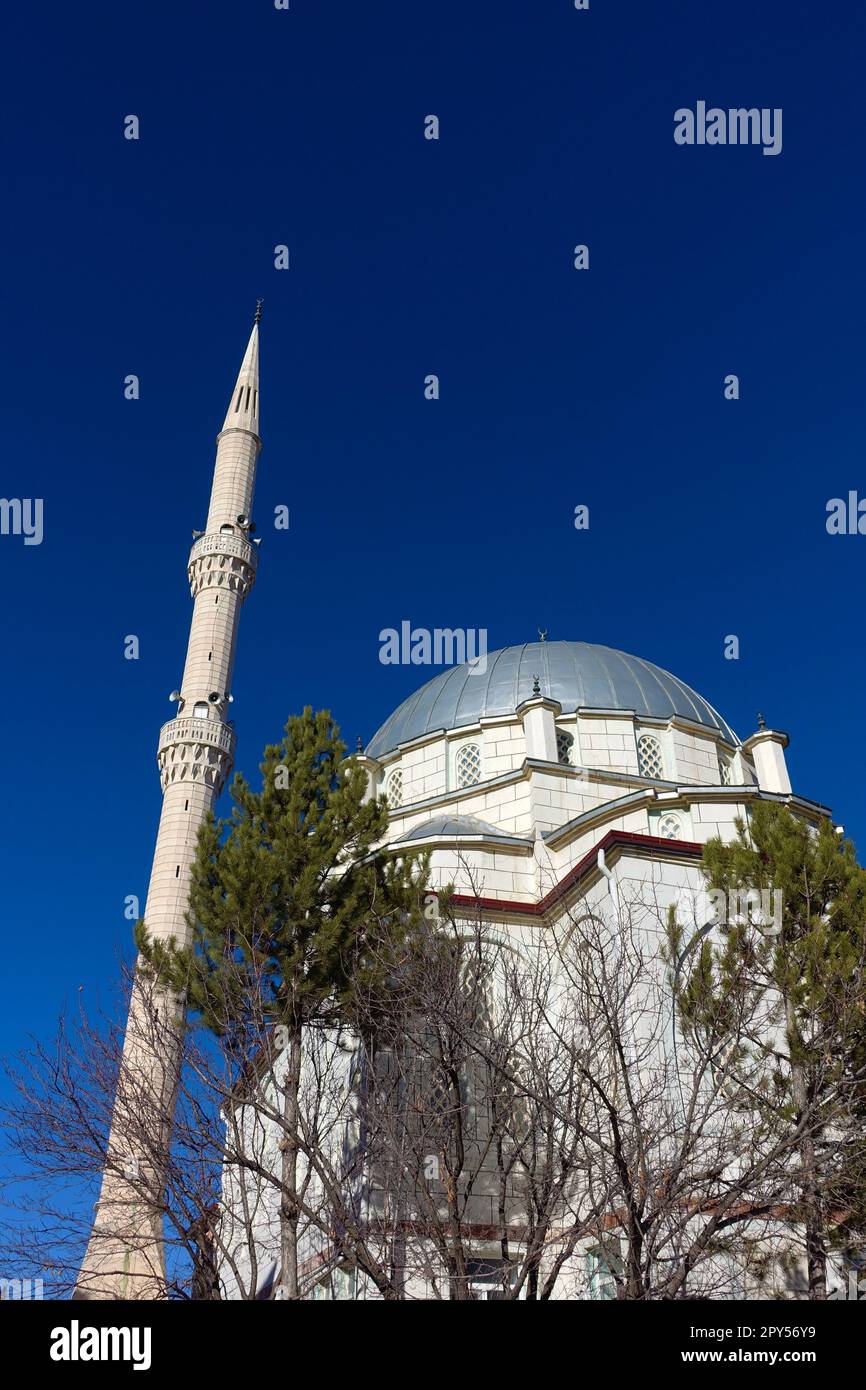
{"x": 124, "y": 1257}
{"x": 243, "y": 411}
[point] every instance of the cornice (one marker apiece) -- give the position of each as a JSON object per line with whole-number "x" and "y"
{"x": 583, "y": 875}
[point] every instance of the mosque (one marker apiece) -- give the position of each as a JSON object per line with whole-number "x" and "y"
{"x": 560, "y": 771}
{"x": 563, "y": 777}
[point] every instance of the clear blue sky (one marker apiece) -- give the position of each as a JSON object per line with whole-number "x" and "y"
{"x": 261, "y": 127}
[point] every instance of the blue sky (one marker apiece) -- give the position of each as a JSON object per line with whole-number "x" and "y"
{"x": 258, "y": 127}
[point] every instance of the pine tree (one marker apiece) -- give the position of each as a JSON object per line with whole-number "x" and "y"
{"x": 289, "y": 908}
{"x": 804, "y": 976}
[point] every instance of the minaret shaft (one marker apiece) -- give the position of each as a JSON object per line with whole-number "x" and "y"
{"x": 124, "y": 1257}
{"x": 232, "y": 491}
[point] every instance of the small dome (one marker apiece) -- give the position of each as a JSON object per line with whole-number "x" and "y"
{"x": 456, "y": 827}
{"x": 577, "y": 674}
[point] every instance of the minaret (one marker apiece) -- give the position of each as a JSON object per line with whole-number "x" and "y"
{"x": 124, "y": 1257}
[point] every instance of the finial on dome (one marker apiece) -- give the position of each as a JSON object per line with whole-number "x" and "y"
{"x": 258, "y": 317}
{"x": 360, "y": 747}
{"x": 761, "y": 721}
{"x": 536, "y": 688}
{"x": 542, "y": 634}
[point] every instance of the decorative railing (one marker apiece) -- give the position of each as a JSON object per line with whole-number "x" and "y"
{"x": 232, "y": 546}
{"x": 210, "y": 733}
{"x": 222, "y": 560}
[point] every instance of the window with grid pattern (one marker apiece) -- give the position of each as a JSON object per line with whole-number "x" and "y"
{"x": 649, "y": 757}
{"x": 394, "y": 789}
{"x": 469, "y": 765}
{"x": 670, "y": 828}
{"x": 726, "y": 770}
{"x": 602, "y": 1282}
{"x": 565, "y": 746}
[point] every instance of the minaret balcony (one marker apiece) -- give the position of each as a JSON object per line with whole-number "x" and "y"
{"x": 196, "y": 750}
{"x": 222, "y": 560}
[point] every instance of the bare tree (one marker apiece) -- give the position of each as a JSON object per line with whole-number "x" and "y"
{"x": 543, "y": 1101}
{"x": 224, "y": 1183}
{"x": 56, "y": 1127}
{"x": 502, "y": 1112}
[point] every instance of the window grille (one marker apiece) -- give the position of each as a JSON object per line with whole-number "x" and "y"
{"x": 469, "y": 765}
{"x": 394, "y": 789}
{"x": 649, "y": 757}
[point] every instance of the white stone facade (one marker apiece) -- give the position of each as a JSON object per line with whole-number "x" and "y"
{"x": 529, "y": 812}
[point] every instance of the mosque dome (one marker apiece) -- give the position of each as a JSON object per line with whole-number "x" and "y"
{"x": 579, "y": 675}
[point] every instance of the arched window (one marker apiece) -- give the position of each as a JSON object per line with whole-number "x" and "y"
{"x": 394, "y": 789}
{"x": 469, "y": 765}
{"x": 200, "y": 709}
{"x": 726, "y": 770}
{"x": 226, "y": 529}
{"x": 670, "y": 828}
{"x": 565, "y": 747}
{"x": 649, "y": 757}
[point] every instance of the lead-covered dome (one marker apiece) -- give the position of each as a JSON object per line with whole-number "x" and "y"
{"x": 577, "y": 674}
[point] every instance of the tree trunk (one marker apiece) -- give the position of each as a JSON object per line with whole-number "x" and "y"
{"x": 289, "y": 1213}
{"x": 816, "y": 1252}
